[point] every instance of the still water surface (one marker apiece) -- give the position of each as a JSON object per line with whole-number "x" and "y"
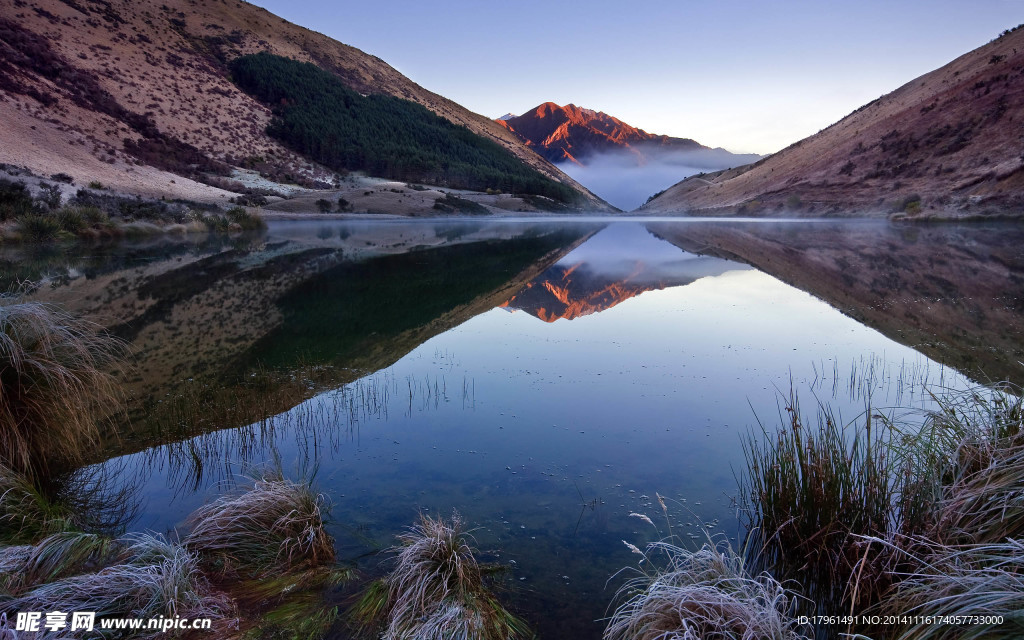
{"x": 544, "y": 379}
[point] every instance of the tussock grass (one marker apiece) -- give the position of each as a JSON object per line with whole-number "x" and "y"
{"x": 155, "y": 578}
{"x": 55, "y": 385}
{"x": 977, "y": 476}
{"x": 702, "y": 594}
{"x": 984, "y": 580}
{"x": 436, "y": 590}
{"x": 276, "y": 526}
{"x": 55, "y": 557}
{"x": 264, "y": 550}
{"x": 813, "y": 492}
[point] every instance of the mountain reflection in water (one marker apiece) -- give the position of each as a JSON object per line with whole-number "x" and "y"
{"x": 952, "y": 292}
{"x": 615, "y": 264}
{"x": 383, "y": 355}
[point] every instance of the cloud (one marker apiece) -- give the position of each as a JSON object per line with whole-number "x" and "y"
{"x": 626, "y": 180}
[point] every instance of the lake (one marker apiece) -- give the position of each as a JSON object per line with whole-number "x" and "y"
{"x": 544, "y": 378}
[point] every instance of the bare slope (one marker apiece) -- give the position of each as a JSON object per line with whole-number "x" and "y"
{"x": 946, "y": 144}
{"x": 82, "y": 79}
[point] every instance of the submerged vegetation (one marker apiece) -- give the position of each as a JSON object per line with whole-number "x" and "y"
{"x": 318, "y": 116}
{"x": 436, "y": 590}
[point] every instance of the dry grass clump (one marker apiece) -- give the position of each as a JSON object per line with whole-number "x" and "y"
{"x": 969, "y": 559}
{"x": 703, "y": 594}
{"x": 978, "y": 477}
{"x": 436, "y": 590}
{"x": 55, "y": 385}
{"x": 977, "y": 580}
{"x": 152, "y": 578}
{"x": 277, "y": 526}
{"x": 57, "y": 556}
{"x": 264, "y": 550}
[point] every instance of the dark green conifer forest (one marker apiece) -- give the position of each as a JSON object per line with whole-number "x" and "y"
{"x": 318, "y": 116}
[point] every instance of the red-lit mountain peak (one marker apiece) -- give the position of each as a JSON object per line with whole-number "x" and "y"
{"x": 574, "y": 133}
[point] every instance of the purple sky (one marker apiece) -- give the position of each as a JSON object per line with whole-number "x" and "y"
{"x": 748, "y": 76}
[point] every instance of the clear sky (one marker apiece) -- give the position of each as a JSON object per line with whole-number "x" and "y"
{"x": 750, "y": 76}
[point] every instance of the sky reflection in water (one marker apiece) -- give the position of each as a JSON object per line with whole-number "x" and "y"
{"x": 547, "y": 435}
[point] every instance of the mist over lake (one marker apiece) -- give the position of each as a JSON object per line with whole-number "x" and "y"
{"x": 627, "y": 179}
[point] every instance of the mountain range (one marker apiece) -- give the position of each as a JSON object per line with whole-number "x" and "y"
{"x": 617, "y": 161}
{"x": 946, "y": 144}
{"x": 575, "y": 134}
{"x": 141, "y": 98}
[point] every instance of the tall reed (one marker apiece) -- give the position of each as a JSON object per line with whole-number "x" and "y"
{"x": 814, "y": 490}
{"x": 861, "y": 514}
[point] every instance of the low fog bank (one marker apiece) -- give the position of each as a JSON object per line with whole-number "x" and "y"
{"x": 626, "y": 179}
{"x": 629, "y": 252}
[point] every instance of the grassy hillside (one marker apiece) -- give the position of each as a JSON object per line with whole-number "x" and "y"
{"x": 944, "y": 145}
{"x": 138, "y": 96}
{"x": 318, "y": 116}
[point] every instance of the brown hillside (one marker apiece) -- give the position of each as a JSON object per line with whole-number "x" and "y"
{"x": 946, "y": 144}
{"x": 573, "y": 134}
{"x": 80, "y": 77}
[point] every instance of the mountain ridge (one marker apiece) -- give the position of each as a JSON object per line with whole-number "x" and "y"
{"x": 573, "y": 134}
{"x": 946, "y": 144}
{"x": 177, "y": 53}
